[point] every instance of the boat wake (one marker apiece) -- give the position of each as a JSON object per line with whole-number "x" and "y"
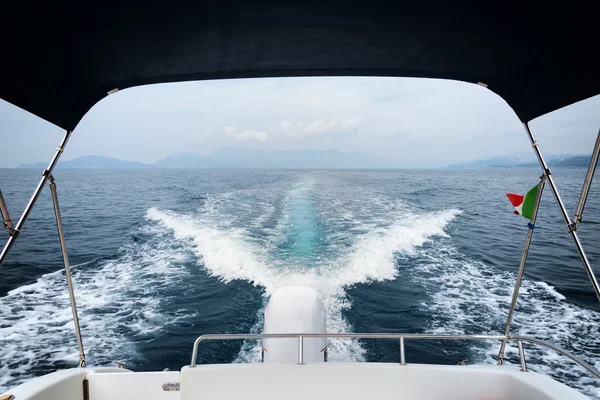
{"x": 380, "y": 241}
{"x": 234, "y": 253}
{"x": 119, "y": 304}
{"x": 322, "y": 237}
{"x": 473, "y": 298}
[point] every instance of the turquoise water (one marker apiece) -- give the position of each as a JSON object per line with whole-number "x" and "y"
{"x": 303, "y": 230}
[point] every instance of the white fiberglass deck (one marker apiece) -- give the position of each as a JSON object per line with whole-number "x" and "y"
{"x": 328, "y": 381}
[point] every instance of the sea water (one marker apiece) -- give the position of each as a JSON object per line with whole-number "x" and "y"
{"x": 162, "y": 256}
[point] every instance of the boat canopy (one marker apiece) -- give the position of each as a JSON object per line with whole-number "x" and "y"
{"x": 59, "y": 59}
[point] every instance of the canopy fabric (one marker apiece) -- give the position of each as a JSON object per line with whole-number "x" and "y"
{"x": 61, "y": 58}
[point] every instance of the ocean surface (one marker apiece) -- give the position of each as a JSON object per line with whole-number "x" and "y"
{"x": 162, "y": 256}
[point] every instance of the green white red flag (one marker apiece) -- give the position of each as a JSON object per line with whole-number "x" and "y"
{"x": 524, "y": 204}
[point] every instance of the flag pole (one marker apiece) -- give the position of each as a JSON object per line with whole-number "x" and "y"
{"x": 515, "y": 295}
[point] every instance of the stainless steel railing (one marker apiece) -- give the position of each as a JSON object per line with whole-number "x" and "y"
{"x": 398, "y": 336}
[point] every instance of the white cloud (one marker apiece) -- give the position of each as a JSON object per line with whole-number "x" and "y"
{"x": 320, "y": 126}
{"x": 251, "y": 134}
{"x": 333, "y": 125}
{"x": 230, "y": 130}
{"x": 289, "y": 127}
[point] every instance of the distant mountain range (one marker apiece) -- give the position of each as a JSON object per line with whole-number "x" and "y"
{"x": 299, "y": 159}
{"x": 90, "y": 162}
{"x": 560, "y": 161}
{"x": 569, "y": 162}
{"x": 235, "y": 158}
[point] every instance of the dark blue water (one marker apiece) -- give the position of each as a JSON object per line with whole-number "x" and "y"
{"x": 162, "y": 256}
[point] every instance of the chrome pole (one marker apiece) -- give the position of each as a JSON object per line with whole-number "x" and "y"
{"x": 17, "y": 229}
{"x": 63, "y": 248}
{"x": 300, "y": 350}
{"x": 587, "y": 183}
{"x": 522, "y": 356}
{"x": 563, "y": 210}
{"x": 5, "y": 217}
{"x": 515, "y": 295}
{"x": 402, "y": 356}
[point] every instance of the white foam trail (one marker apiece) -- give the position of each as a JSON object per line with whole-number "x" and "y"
{"x": 230, "y": 254}
{"x": 471, "y": 297}
{"x": 118, "y": 303}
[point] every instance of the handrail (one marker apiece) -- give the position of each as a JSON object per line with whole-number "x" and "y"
{"x": 561, "y": 351}
{"x": 400, "y": 336}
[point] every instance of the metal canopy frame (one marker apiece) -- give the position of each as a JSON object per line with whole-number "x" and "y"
{"x": 547, "y": 175}
{"x": 587, "y": 183}
{"x": 36, "y": 193}
{"x": 570, "y": 225}
{"x": 14, "y": 232}
{"x": 63, "y": 248}
{"x": 5, "y": 217}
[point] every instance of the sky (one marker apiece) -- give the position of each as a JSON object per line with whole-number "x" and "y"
{"x": 413, "y": 123}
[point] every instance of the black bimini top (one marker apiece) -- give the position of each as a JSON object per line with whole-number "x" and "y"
{"x": 60, "y": 58}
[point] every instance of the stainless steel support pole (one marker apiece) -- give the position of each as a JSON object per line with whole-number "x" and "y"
{"x": 522, "y": 356}
{"x": 300, "y": 350}
{"x": 515, "y": 295}
{"x": 5, "y": 217}
{"x": 587, "y": 183}
{"x": 563, "y": 210}
{"x": 34, "y": 197}
{"x": 402, "y": 357}
{"x": 63, "y": 248}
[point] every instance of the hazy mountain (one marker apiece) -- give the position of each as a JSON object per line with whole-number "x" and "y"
{"x": 495, "y": 162}
{"x": 184, "y": 160}
{"x": 568, "y": 162}
{"x": 235, "y": 158}
{"x": 521, "y": 161}
{"x": 90, "y": 162}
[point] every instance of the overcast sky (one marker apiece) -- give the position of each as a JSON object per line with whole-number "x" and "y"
{"x": 413, "y": 122}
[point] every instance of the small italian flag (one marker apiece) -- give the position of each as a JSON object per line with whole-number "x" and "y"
{"x": 524, "y": 204}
